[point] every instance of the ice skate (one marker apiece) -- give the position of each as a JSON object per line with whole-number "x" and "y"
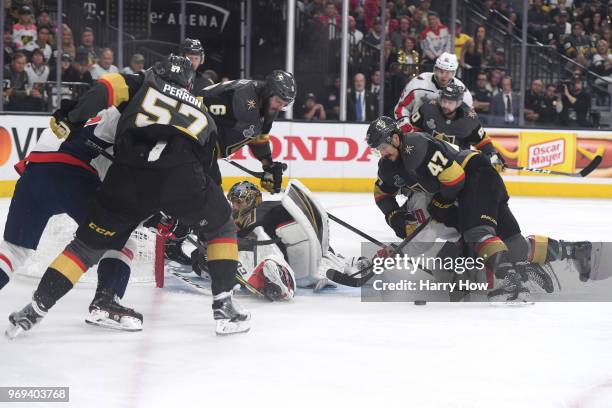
{"x": 509, "y": 288}
{"x": 230, "y": 318}
{"x": 24, "y": 319}
{"x": 105, "y": 311}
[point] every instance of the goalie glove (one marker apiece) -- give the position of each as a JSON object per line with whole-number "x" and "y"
{"x": 272, "y": 177}
{"x": 498, "y": 162}
{"x": 402, "y": 222}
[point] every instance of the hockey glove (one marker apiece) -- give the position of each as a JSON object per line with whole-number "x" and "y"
{"x": 498, "y": 162}
{"x": 60, "y": 124}
{"x": 402, "y": 222}
{"x": 272, "y": 178}
{"x": 166, "y": 227}
{"x": 443, "y": 210}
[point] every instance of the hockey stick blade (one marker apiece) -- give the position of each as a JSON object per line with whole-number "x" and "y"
{"x": 352, "y": 281}
{"x": 348, "y": 280}
{"x": 591, "y": 166}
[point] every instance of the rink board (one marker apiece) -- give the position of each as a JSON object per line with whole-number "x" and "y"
{"x": 335, "y": 157}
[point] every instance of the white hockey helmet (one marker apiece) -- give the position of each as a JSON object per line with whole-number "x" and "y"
{"x": 447, "y": 62}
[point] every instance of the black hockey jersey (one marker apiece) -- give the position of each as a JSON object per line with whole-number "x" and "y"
{"x": 426, "y": 164}
{"x": 464, "y": 130}
{"x": 237, "y": 108}
{"x": 146, "y": 100}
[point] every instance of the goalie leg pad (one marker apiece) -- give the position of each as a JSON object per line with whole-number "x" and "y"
{"x": 274, "y": 278}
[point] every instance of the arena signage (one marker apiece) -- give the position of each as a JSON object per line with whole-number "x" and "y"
{"x": 335, "y": 157}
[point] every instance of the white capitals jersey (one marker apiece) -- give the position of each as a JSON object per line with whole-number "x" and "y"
{"x": 421, "y": 88}
{"x": 104, "y": 127}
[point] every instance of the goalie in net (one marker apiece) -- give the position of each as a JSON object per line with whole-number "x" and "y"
{"x": 283, "y": 244}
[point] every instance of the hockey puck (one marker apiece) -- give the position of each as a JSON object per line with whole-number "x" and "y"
{"x": 420, "y": 302}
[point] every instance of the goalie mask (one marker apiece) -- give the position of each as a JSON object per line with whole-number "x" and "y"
{"x": 244, "y": 197}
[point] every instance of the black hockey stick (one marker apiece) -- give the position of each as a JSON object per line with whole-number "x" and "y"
{"x": 582, "y": 173}
{"x": 356, "y": 282}
{"x": 355, "y": 230}
{"x": 258, "y": 174}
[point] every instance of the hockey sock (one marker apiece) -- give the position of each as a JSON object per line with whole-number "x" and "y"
{"x": 222, "y": 274}
{"x": 222, "y": 256}
{"x": 113, "y": 274}
{"x": 52, "y": 287}
{"x": 544, "y": 249}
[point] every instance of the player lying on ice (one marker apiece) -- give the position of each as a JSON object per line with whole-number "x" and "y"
{"x": 285, "y": 243}
{"x": 164, "y": 146}
{"x": 61, "y": 176}
{"x": 462, "y": 190}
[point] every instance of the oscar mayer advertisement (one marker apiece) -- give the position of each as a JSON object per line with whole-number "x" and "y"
{"x": 335, "y": 157}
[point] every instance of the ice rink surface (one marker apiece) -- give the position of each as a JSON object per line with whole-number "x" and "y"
{"x": 329, "y": 350}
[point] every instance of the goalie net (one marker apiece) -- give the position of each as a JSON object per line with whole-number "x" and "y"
{"x": 147, "y": 265}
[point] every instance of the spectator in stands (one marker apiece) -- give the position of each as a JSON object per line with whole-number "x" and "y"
{"x": 538, "y": 19}
{"x": 577, "y": 98}
{"x": 400, "y": 9}
{"x": 495, "y": 81}
{"x": 24, "y": 31}
{"x": 577, "y": 44}
{"x": 9, "y": 47}
{"x": 481, "y": 97}
{"x": 354, "y": 35}
{"x": 361, "y": 105}
{"x": 332, "y": 101}
{"x": 551, "y": 107}
{"x": 68, "y": 41}
{"x": 42, "y": 42}
{"x": 558, "y": 31}
{"x": 104, "y": 65}
{"x": 505, "y": 105}
{"x": 391, "y": 24}
{"x": 375, "y": 83}
{"x": 514, "y": 26}
{"x": 597, "y": 25}
{"x": 435, "y": 40}
{"x": 398, "y": 37}
{"x": 417, "y": 24}
{"x": 87, "y": 42}
{"x": 37, "y": 70}
{"x": 330, "y": 21}
{"x": 82, "y": 68}
{"x": 315, "y": 7}
{"x": 498, "y": 59}
{"x": 69, "y": 73}
{"x": 373, "y": 37}
{"x": 533, "y": 101}
{"x": 312, "y": 109}
{"x": 21, "y": 97}
{"x": 602, "y": 66}
{"x": 136, "y": 65}
{"x": 44, "y": 20}
{"x": 460, "y": 39}
{"x": 473, "y": 56}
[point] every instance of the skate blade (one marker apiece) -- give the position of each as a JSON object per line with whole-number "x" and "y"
{"x": 12, "y": 331}
{"x": 225, "y": 327}
{"x": 127, "y": 323}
